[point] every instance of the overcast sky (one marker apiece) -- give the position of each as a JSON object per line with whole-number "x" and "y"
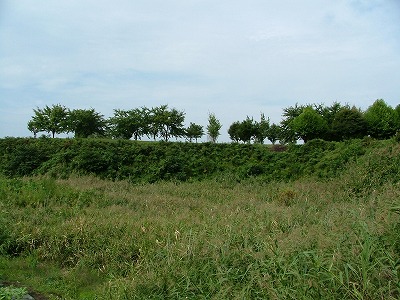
{"x": 234, "y": 58}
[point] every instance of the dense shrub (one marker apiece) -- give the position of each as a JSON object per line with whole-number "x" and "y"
{"x": 155, "y": 161}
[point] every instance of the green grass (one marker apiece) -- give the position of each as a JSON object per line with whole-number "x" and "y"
{"x": 87, "y": 238}
{"x": 329, "y": 231}
{"x": 12, "y": 293}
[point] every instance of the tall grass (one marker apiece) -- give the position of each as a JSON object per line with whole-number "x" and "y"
{"x": 203, "y": 240}
{"x": 87, "y": 238}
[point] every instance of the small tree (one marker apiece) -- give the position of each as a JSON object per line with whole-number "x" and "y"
{"x": 348, "y": 123}
{"x": 288, "y": 135}
{"x": 274, "y": 133}
{"x": 86, "y": 122}
{"x": 309, "y": 125}
{"x": 213, "y": 127}
{"x": 261, "y": 129}
{"x": 194, "y": 131}
{"x": 381, "y": 120}
{"x": 329, "y": 113}
{"x": 166, "y": 123}
{"x": 128, "y": 123}
{"x": 247, "y": 130}
{"x": 234, "y": 131}
{"x": 32, "y": 126}
{"x": 52, "y": 119}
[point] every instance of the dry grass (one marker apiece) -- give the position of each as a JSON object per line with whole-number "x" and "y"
{"x": 204, "y": 240}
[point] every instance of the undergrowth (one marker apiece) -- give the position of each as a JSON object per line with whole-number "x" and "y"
{"x": 149, "y": 162}
{"x": 228, "y": 237}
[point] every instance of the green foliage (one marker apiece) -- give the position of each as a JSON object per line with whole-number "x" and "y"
{"x": 233, "y": 131}
{"x": 85, "y": 238}
{"x": 381, "y": 120}
{"x": 397, "y": 137}
{"x": 166, "y": 123}
{"x": 377, "y": 168}
{"x": 12, "y": 293}
{"x": 331, "y": 123}
{"x": 274, "y": 133}
{"x": 243, "y": 131}
{"x": 127, "y": 123}
{"x": 194, "y": 131}
{"x": 348, "y": 123}
{"x": 213, "y": 128}
{"x": 309, "y": 125}
{"x": 86, "y": 122}
{"x": 288, "y": 135}
{"x": 248, "y": 130}
{"x": 156, "y": 161}
{"x": 261, "y": 129}
{"x": 52, "y": 120}
{"x": 21, "y": 157}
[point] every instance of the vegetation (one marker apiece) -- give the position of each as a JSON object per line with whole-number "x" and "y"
{"x": 53, "y": 120}
{"x": 142, "y": 162}
{"x": 317, "y": 121}
{"x": 156, "y": 122}
{"x": 213, "y": 128}
{"x": 249, "y": 130}
{"x": 194, "y": 131}
{"x": 309, "y": 124}
{"x": 12, "y": 293}
{"x": 118, "y": 219}
{"x": 323, "y": 225}
{"x": 86, "y": 122}
{"x": 314, "y": 121}
{"x": 382, "y": 120}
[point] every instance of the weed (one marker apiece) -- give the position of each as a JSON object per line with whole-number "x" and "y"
{"x": 228, "y": 237}
{"x": 12, "y": 293}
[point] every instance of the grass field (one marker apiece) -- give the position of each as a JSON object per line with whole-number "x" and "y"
{"x": 87, "y": 238}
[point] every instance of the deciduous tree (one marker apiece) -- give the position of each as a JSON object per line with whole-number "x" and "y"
{"x": 166, "y": 123}
{"x": 274, "y": 133}
{"x": 194, "y": 131}
{"x": 261, "y": 129}
{"x": 247, "y": 130}
{"x": 86, "y": 122}
{"x": 213, "y": 128}
{"x": 348, "y": 123}
{"x": 288, "y": 135}
{"x": 381, "y": 120}
{"x": 233, "y": 131}
{"x": 309, "y": 125}
{"x": 52, "y": 120}
{"x": 129, "y": 123}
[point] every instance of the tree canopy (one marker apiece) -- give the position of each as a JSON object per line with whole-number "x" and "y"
{"x": 381, "y": 120}
{"x": 194, "y": 131}
{"x": 309, "y": 125}
{"x": 86, "y": 122}
{"x": 348, "y": 123}
{"x": 52, "y": 120}
{"x": 336, "y": 122}
{"x": 213, "y": 128}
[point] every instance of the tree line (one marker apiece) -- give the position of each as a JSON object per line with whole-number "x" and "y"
{"x": 316, "y": 121}
{"x": 159, "y": 122}
{"x": 306, "y": 122}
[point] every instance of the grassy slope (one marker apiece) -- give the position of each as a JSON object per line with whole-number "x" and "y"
{"x": 149, "y": 162}
{"x": 86, "y": 238}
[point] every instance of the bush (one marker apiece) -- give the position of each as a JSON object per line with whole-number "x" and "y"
{"x": 155, "y": 161}
{"x": 12, "y": 293}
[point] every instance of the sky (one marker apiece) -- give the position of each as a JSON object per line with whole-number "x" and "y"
{"x": 233, "y": 58}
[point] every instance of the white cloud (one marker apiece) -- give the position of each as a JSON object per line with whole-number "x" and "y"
{"x": 234, "y": 57}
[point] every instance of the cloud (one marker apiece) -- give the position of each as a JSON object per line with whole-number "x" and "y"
{"x": 234, "y": 57}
